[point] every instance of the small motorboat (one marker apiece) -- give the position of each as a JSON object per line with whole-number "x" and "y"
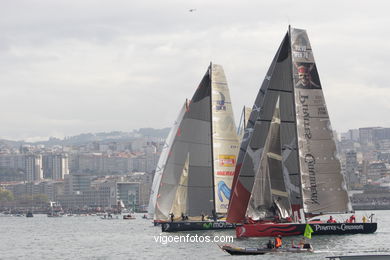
{"x": 129, "y": 216}
{"x": 235, "y": 250}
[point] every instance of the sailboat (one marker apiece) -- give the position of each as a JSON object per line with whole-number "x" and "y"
{"x": 287, "y": 169}
{"x": 246, "y": 111}
{"x": 192, "y": 186}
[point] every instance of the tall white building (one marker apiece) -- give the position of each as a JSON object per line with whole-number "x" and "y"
{"x": 55, "y": 166}
{"x": 60, "y": 166}
{"x": 33, "y": 167}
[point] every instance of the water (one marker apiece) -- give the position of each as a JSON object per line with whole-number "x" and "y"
{"x": 91, "y": 237}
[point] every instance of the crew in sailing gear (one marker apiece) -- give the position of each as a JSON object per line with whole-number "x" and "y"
{"x": 172, "y": 216}
{"x": 214, "y": 214}
{"x": 352, "y": 219}
{"x": 371, "y": 217}
{"x": 331, "y": 220}
{"x": 364, "y": 219}
{"x": 278, "y": 241}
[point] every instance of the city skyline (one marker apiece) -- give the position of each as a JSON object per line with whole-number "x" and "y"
{"x": 71, "y": 67}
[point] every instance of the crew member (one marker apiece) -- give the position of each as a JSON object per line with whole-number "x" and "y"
{"x": 302, "y": 242}
{"x": 352, "y": 219}
{"x": 331, "y": 220}
{"x": 293, "y": 245}
{"x": 278, "y": 241}
{"x": 364, "y": 219}
{"x": 270, "y": 245}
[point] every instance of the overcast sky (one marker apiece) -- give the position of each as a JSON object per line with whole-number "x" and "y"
{"x": 70, "y": 67}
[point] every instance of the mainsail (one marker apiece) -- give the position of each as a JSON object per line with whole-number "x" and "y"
{"x": 162, "y": 160}
{"x": 313, "y": 179}
{"x": 202, "y": 154}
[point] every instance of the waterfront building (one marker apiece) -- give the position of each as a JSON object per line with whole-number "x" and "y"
{"x": 77, "y": 183}
{"x": 55, "y": 166}
{"x": 33, "y": 167}
{"x": 351, "y": 170}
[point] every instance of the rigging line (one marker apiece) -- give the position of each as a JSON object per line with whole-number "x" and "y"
{"x": 280, "y": 90}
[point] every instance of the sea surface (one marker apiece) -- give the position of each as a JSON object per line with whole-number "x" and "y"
{"x": 90, "y": 237}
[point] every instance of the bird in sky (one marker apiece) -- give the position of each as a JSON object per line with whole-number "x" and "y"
{"x": 192, "y": 10}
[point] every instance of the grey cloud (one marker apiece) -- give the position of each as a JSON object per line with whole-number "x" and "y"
{"x": 91, "y": 66}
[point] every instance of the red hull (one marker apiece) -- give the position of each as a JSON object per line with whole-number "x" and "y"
{"x": 267, "y": 230}
{"x": 294, "y": 229}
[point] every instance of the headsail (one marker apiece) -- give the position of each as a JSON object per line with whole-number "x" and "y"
{"x": 224, "y": 141}
{"x": 162, "y": 160}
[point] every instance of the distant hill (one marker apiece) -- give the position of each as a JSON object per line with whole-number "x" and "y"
{"x": 95, "y": 137}
{"x": 163, "y": 133}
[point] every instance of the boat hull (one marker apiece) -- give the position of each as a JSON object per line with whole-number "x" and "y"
{"x": 293, "y": 229}
{"x": 195, "y": 225}
{"x": 233, "y": 250}
{"x": 158, "y": 222}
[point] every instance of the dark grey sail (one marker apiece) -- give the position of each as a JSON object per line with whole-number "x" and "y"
{"x": 192, "y": 143}
{"x": 277, "y": 83}
{"x": 269, "y": 194}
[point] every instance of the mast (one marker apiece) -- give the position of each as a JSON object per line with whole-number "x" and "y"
{"x": 211, "y": 136}
{"x": 295, "y": 119}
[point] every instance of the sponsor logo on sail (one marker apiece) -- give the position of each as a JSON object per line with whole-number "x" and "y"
{"x": 224, "y": 190}
{"x": 225, "y": 173}
{"x": 310, "y": 161}
{"x": 220, "y": 103}
{"x": 306, "y": 115}
{"x": 227, "y": 160}
{"x": 309, "y": 158}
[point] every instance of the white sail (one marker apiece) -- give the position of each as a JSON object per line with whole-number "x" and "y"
{"x": 179, "y": 206}
{"x": 323, "y": 188}
{"x": 162, "y": 161}
{"x": 225, "y": 139}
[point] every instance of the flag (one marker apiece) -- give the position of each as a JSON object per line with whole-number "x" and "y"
{"x": 308, "y": 231}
